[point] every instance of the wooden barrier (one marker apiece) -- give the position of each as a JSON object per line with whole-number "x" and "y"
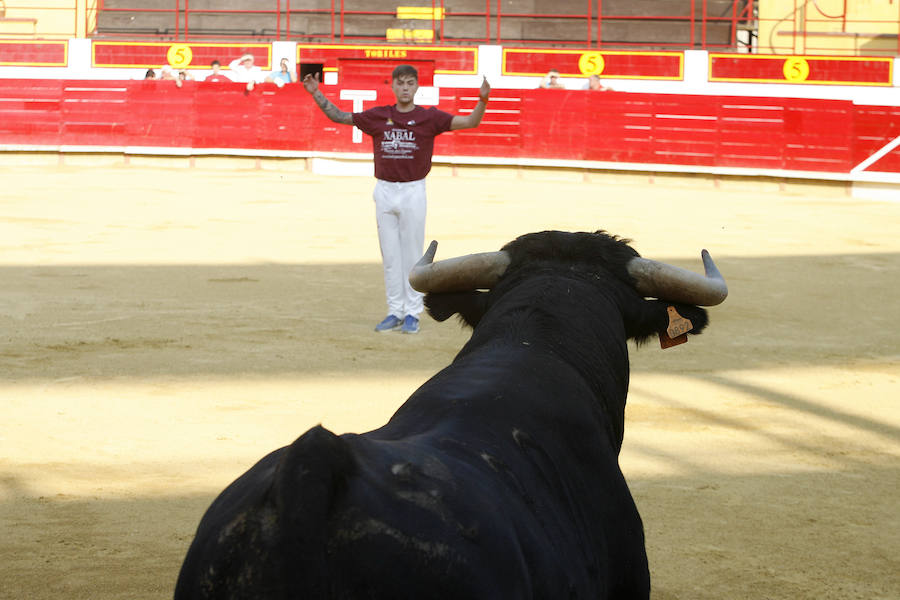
{"x": 710, "y": 132}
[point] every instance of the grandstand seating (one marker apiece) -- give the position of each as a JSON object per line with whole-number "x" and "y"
{"x": 627, "y": 24}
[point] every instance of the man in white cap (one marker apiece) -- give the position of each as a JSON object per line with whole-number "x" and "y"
{"x": 243, "y": 70}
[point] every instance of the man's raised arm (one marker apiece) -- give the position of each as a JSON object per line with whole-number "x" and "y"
{"x": 473, "y": 118}
{"x": 311, "y": 83}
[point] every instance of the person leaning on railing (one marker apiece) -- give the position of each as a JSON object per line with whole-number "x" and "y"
{"x": 595, "y": 83}
{"x": 551, "y": 81}
{"x": 282, "y": 76}
{"x": 244, "y": 71}
{"x": 216, "y": 76}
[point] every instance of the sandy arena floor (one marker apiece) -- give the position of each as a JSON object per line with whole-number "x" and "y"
{"x": 163, "y": 328}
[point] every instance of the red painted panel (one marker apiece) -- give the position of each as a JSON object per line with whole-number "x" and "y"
{"x": 877, "y": 128}
{"x": 161, "y": 114}
{"x": 622, "y": 130}
{"x": 801, "y": 69}
{"x": 500, "y": 132}
{"x": 555, "y": 134}
{"x": 685, "y": 130}
{"x": 704, "y": 131}
{"x": 460, "y": 60}
{"x": 888, "y": 164}
{"x": 581, "y": 63}
{"x": 751, "y": 132}
{"x": 27, "y": 53}
{"x": 93, "y": 113}
{"x": 818, "y": 135}
{"x": 178, "y": 54}
{"x": 29, "y": 112}
{"x": 279, "y": 126}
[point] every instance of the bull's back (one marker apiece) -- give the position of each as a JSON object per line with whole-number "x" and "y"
{"x": 519, "y": 475}
{"x": 477, "y": 513}
{"x": 461, "y": 510}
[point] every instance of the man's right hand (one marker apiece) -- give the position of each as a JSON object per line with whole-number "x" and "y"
{"x": 311, "y": 82}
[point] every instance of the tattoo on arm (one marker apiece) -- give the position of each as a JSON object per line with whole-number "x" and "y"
{"x": 473, "y": 119}
{"x": 331, "y": 111}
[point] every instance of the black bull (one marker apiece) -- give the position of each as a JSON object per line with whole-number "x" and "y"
{"x": 498, "y": 478}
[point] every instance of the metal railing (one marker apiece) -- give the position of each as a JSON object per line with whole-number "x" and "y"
{"x": 62, "y": 19}
{"x": 810, "y": 27}
{"x": 594, "y": 24}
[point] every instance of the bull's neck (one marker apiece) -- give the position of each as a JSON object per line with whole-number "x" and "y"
{"x": 570, "y": 321}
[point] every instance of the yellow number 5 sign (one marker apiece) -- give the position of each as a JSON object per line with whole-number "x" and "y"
{"x": 591, "y": 63}
{"x": 795, "y": 69}
{"x": 179, "y": 55}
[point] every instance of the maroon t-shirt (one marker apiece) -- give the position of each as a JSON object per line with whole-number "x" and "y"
{"x": 402, "y": 142}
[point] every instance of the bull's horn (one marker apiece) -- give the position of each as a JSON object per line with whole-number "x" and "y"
{"x": 460, "y": 274}
{"x": 680, "y": 285}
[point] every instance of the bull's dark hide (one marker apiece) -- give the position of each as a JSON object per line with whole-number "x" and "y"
{"x": 497, "y": 479}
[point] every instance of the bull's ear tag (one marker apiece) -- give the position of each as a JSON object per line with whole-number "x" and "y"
{"x": 678, "y": 325}
{"x": 676, "y": 332}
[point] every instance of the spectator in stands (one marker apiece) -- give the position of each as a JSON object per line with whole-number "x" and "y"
{"x": 244, "y": 71}
{"x": 551, "y": 81}
{"x": 150, "y": 74}
{"x": 283, "y": 75}
{"x": 167, "y": 74}
{"x": 185, "y": 76}
{"x": 216, "y": 76}
{"x": 595, "y": 83}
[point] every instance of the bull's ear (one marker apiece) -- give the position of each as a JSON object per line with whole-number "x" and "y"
{"x": 655, "y": 316}
{"x": 470, "y": 306}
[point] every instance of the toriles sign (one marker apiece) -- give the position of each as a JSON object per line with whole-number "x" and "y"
{"x": 447, "y": 61}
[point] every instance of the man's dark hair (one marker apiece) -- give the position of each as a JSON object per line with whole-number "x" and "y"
{"x": 214, "y": 63}
{"x": 403, "y": 71}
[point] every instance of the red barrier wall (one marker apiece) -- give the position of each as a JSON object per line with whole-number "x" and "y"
{"x": 824, "y": 136}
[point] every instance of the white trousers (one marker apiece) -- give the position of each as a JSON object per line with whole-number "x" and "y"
{"x": 400, "y": 215}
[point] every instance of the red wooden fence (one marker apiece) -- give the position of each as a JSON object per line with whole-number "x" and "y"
{"x": 822, "y": 136}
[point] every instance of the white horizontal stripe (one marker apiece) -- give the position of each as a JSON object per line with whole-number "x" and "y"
{"x": 693, "y": 117}
{"x": 95, "y": 100}
{"x": 752, "y": 106}
{"x": 751, "y": 120}
{"x": 75, "y": 89}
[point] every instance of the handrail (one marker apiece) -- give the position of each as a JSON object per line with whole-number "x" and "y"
{"x": 738, "y": 28}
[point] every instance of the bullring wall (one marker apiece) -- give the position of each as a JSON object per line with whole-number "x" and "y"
{"x": 672, "y": 111}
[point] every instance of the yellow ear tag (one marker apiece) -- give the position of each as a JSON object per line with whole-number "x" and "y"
{"x": 676, "y": 332}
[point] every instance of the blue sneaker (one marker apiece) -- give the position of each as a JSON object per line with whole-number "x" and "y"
{"x": 410, "y": 325}
{"x": 390, "y": 323}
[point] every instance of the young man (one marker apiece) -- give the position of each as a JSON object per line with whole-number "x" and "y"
{"x": 216, "y": 76}
{"x": 403, "y": 143}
